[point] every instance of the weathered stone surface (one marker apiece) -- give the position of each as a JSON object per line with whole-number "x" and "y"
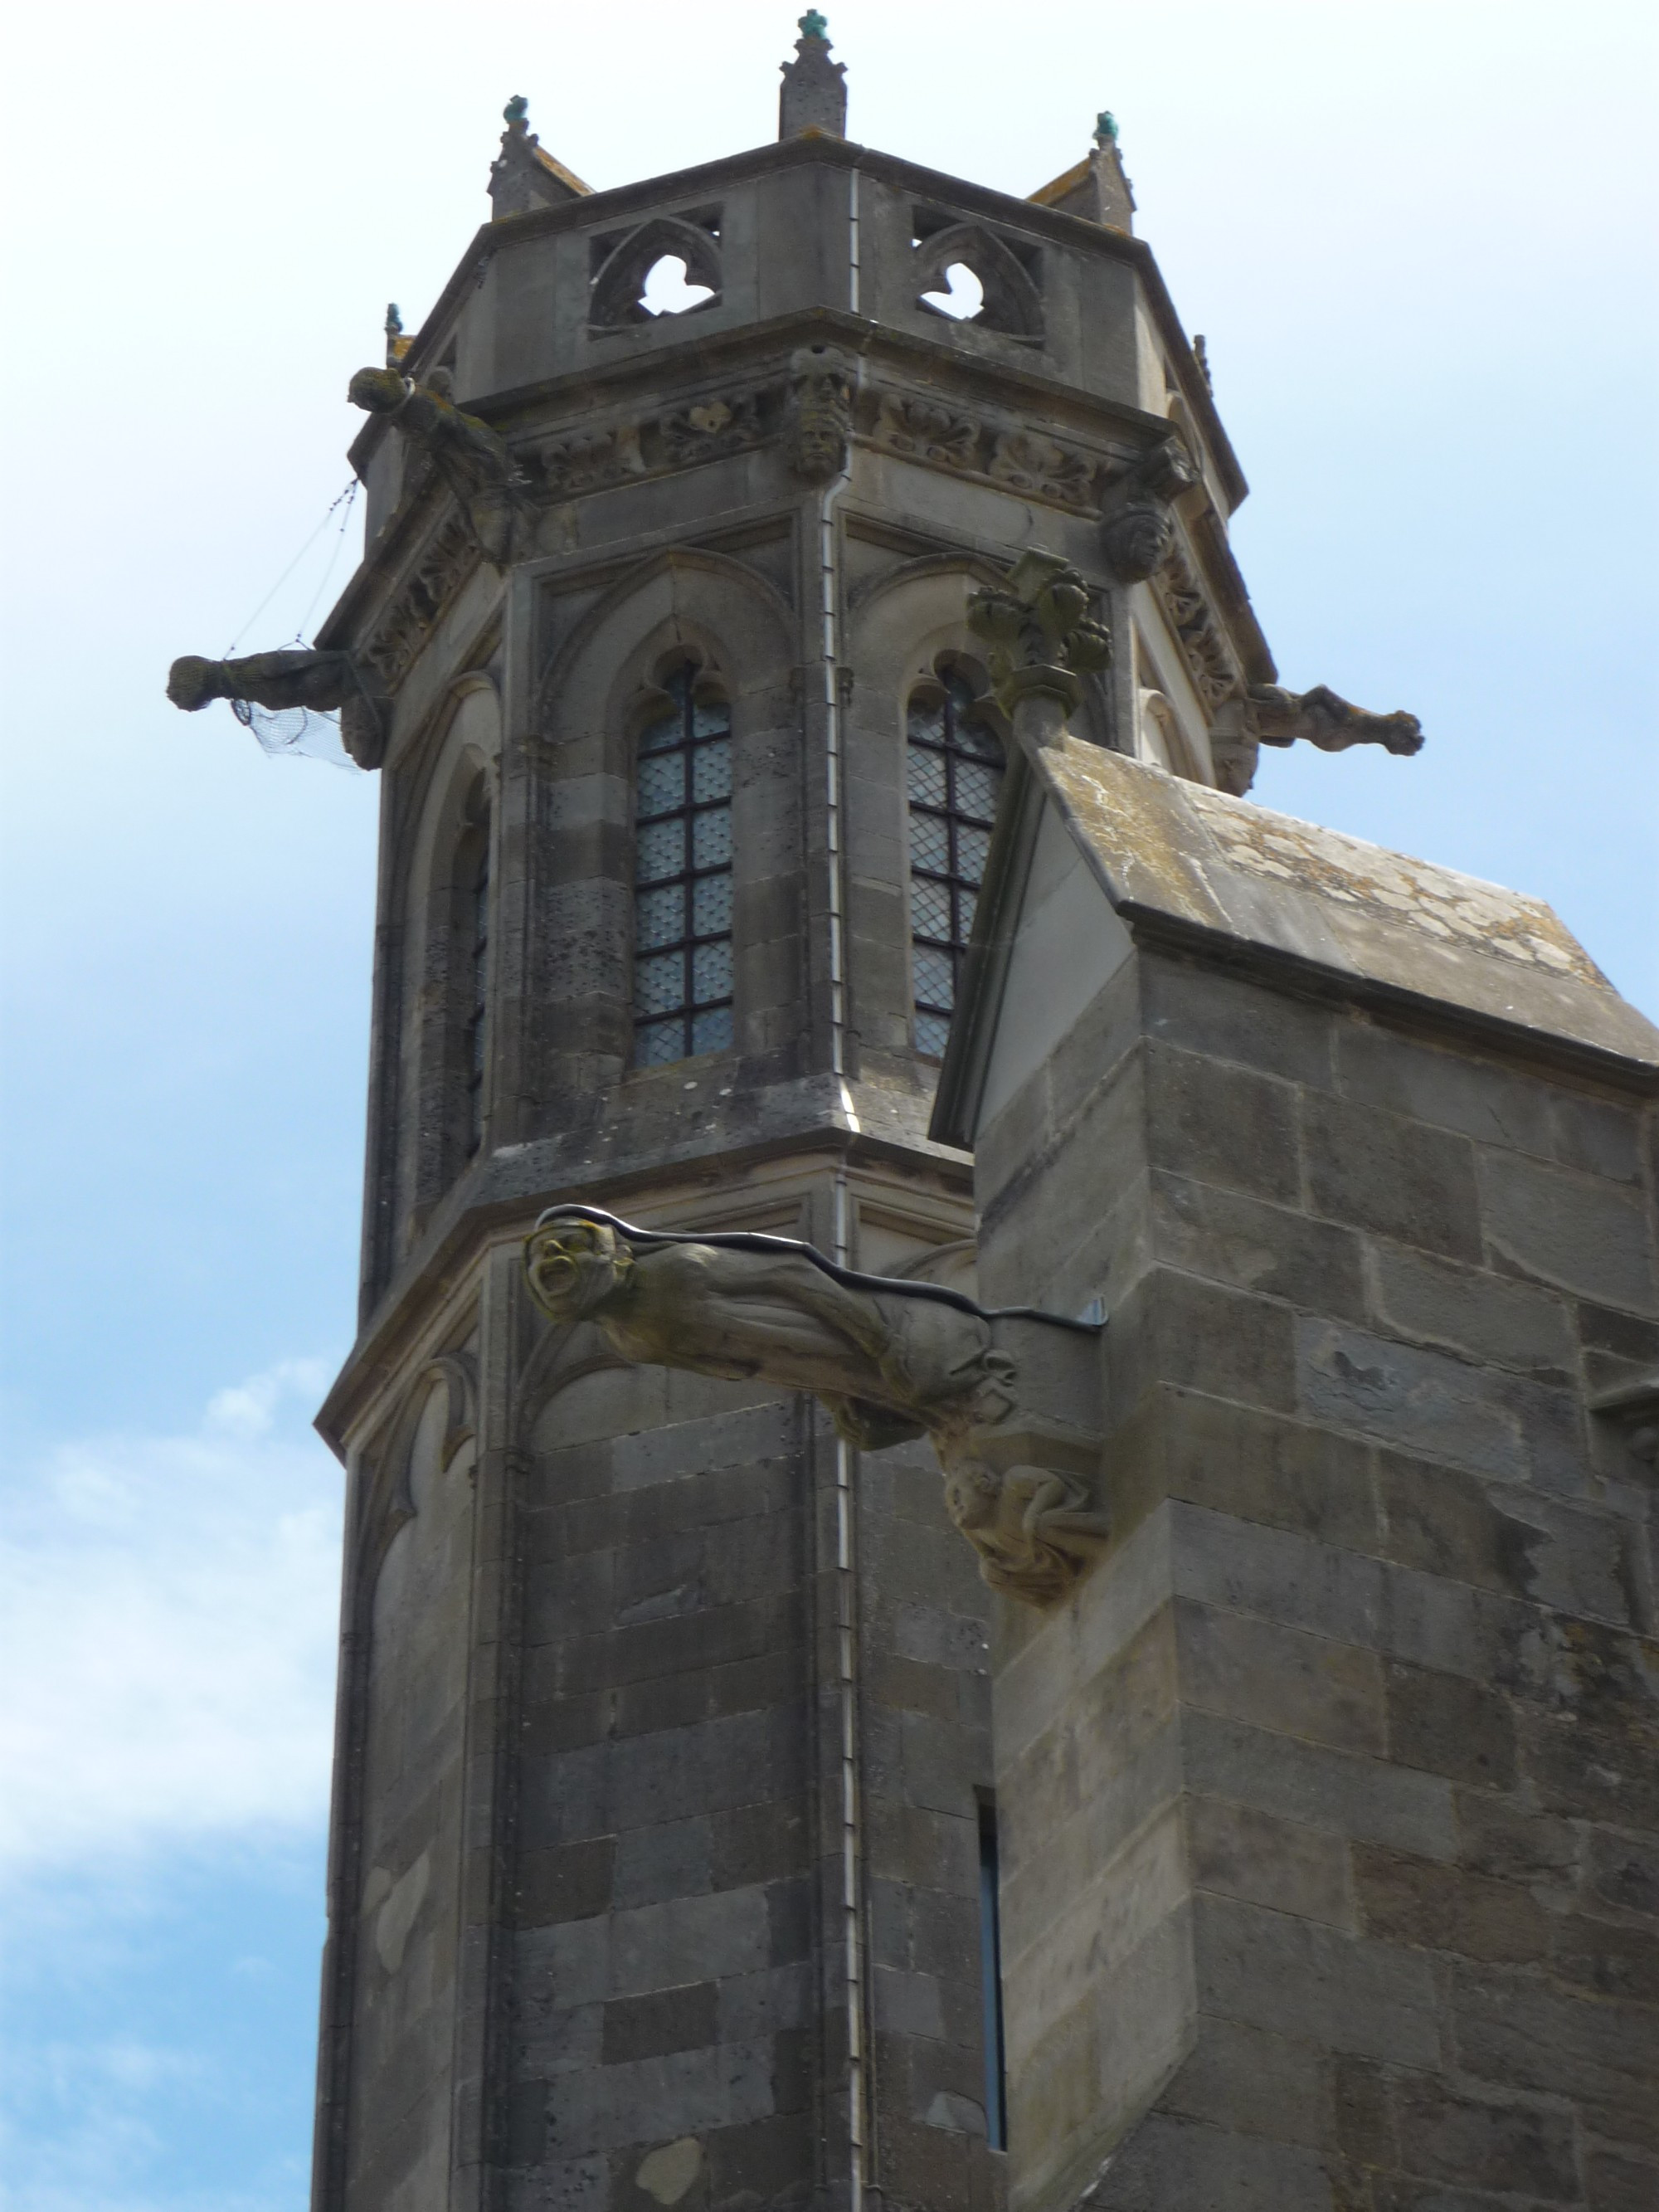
{"x": 1265, "y": 1248}
{"x": 1275, "y": 1677}
{"x": 1226, "y": 1017}
{"x": 1433, "y": 1907}
{"x": 1475, "y": 1314}
{"x": 1173, "y": 2161}
{"x": 1450, "y": 1727}
{"x": 1447, "y": 2136}
{"x": 1219, "y": 1123}
{"x": 1287, "y": 1474}
{"x": 1328, "y": 1789}
{"x": 1257, "y": 2083}
{"x": 1578, "y": 1231}
{"x": 1419, "y": 1400}
{"x": 1237, "y": 1851}
{"x": 1272, "y": 1971}
{"x": 1518, "y": 2034}
{"x": 1397, "y": 1177}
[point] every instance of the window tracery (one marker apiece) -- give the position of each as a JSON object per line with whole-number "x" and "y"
{"x": 954, "y": 768}
{"x": 682, "y": 878}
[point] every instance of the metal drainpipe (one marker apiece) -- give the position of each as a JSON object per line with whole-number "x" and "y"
{"x": 846, "y": 1589}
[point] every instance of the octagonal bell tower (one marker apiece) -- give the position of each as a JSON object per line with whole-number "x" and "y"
{"x": 663, "y": 1864}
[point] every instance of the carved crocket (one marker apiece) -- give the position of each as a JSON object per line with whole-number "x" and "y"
{"x": 889, "y": 1361}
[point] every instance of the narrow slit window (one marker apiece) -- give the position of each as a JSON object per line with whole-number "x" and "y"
{"x": 477, "y": 911}
{"x": 954, "y": 771}
{"x": 990, "y": 1969}
{"x": 683, "y": 880}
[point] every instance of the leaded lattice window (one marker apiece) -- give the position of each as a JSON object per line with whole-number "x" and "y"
{"x": 954, "y": 765}
{"x": 683, "y": 880}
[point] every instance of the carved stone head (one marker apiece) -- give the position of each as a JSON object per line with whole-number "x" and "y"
{"x": 573, "y": 1266}
{"x": 821, "y": 412}
{"x": 1137, "y": 540}
{"x": 972, "y": 1495}
{"x": 191, "y": 682}
{"x": 378, "y": 391}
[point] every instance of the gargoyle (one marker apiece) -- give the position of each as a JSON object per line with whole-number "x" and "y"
{"x": 472, "y": 460}
{"x": 889, "y": 1360}
{"x": 324, "y": 682}
{"x": 1277, "y": 717}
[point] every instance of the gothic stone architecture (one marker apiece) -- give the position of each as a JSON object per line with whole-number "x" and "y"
{"x": 690, "y": 1777}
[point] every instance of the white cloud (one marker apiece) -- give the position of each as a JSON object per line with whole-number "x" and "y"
{"x": 168, "y": 1609}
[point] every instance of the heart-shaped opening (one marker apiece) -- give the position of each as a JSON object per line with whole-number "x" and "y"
{"x": 665, "y": 291}
{"x": 965, "y": 297}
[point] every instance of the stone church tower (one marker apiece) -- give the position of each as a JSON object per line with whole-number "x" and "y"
{"x": 664, "y": 1863}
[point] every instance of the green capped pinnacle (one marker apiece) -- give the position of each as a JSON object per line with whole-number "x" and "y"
{"x": 1106, "y": 127}
{"x": 812, "y": 25}
{"x": 516, "y": 109}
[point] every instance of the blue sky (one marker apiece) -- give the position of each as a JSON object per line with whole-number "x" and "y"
{"x": 1420, "y": 239}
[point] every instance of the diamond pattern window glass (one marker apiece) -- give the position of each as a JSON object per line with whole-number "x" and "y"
{"x": 683, "y": 880}
{"x": 953, "y": 774}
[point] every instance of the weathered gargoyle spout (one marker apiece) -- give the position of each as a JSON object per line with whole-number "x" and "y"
{"x": 472, "y": 460}
{"x": 889, "y": 1360}
{"x": 324, "y": 682}
{"x": 1322, "y": 718}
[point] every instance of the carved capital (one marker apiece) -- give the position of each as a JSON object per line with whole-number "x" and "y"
{"x": 1039, "y": 630}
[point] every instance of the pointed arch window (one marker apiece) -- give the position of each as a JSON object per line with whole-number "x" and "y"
{"x": 954, "y": 768}
{"x": 682, "y": 878}
{"x": 468, "y": 984}
{"x": 475, "y": 895}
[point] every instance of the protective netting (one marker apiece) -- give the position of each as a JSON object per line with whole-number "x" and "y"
{"x": 296, "y": 730}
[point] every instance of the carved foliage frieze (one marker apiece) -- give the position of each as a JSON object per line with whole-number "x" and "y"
{"x": 951, "y": 435}
{"x": 703, "y": 429}
{"x": 1210, "y": 660}
{"x": 446, "y": 562}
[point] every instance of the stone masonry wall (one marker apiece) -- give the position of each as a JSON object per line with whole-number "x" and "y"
{"x": 680, "y": 2022}
{"x": 1331, "y": 1802}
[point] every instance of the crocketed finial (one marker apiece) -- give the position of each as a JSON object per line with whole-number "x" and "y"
{"x": 811, "y": 25}
{"x": 515, "y": 112}
{"x": 1105, "y": 128}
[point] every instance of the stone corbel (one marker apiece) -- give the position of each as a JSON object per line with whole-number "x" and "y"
{"x": 1042, "y": 641}
{"x": 1137, "y": 521}
{"x": 1009, "y": 1399}
{"x": 820, "y": 380}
